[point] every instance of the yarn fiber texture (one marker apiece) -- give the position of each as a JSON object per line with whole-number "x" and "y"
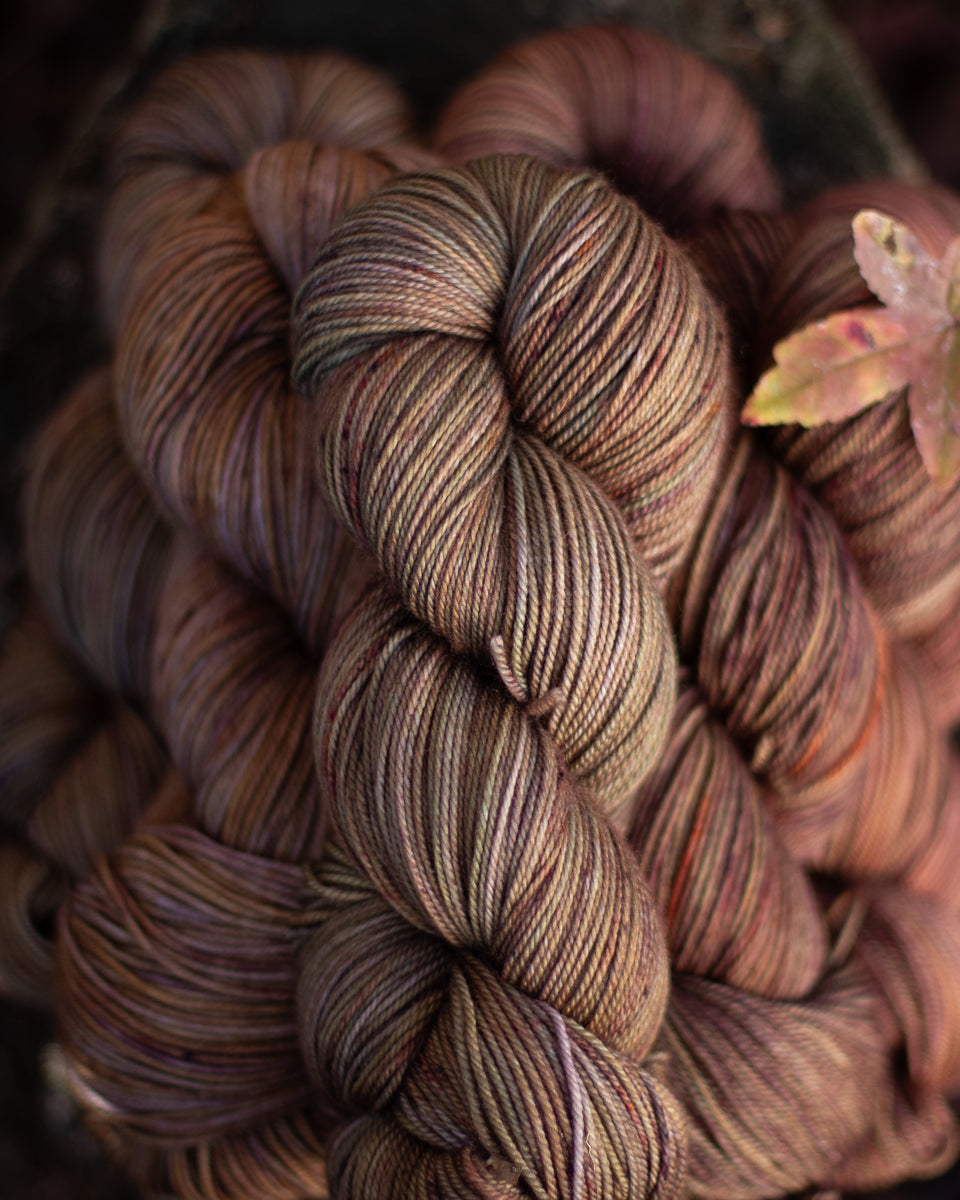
{"x": 443, "y": 754}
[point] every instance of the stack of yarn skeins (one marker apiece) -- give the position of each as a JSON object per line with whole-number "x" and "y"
{"x": 444, "y": 754}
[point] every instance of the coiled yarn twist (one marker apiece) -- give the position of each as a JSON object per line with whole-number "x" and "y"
{"x": 516, "y": 781}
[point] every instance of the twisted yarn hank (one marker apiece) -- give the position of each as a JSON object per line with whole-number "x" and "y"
{"x": 219, "y": 667}
{"x": 639, "y": 872}
{"x": 184, "y": 949}
{"x": 218, "y": 655}
{"x": 437, "y": 781}
{"x": 198, "y": 294}
{"x": 802, "y": 758}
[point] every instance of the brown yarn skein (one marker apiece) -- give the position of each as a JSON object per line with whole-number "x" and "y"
{"x": 96, "y": 548}
{"x": 233, "y": 691}
{"x": 908, "y": 808}
{"x": 176, "y": 971}
{"x": 909, "y": 783}
{"x": 770, "y": 613}
{"x": 206, "y": 406}
{"x": 473, "y": 830}
{"x": 498, "y": 545}
{"x": 478, "y": 546}
{"x": 189, "y": 598}
{"x": 654, "y": 386}
{"x": 904, "y": 820}
{"x": 254, "y": 156}
{"x": 79, "y": 770}
{"x": 669, "y": 129}
{"x": 204, "y": 118}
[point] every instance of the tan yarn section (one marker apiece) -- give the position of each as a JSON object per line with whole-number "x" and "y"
{"x": 228, "y": 178}
{"x": 563, "y": 584}
{"x": 175, "y": 974}
{"x": 737, "y": 905}
{"x": 609, "y": 348}
{"x": 101, "y": 795}
{"x": 285, "y": 1160}
{"x": 447, "y": 1052}
{"x": 99, "y": 766}
{"x": 233, "y": 691}
{"x": 208, "y": 413}
{"x": 466, "y": 478}
{"x": 485, "y": 860}
{"x": 807, "y": 1077}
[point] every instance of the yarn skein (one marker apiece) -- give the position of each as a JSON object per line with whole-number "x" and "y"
{"x": 224, "y": 671}
{"x": 579, "y": 816}
{"x": 199, "y": 291}
{"x": 364, "y": 349}
{"x": 101, "y": 765}
{"x": 432, "y": 775}
{"x": 670, "y": 130}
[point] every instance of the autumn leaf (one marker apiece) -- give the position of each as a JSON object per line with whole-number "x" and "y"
{"x": 832, "y": 369}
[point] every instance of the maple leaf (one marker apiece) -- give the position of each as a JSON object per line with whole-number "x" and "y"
{"x": 832, "y": 369}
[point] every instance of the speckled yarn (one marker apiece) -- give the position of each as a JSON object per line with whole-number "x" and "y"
{"x": 797, "y": 730}
{"x": 443, "y": 755}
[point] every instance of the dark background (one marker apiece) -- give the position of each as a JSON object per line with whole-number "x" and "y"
{"x": 65, "y": 68}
